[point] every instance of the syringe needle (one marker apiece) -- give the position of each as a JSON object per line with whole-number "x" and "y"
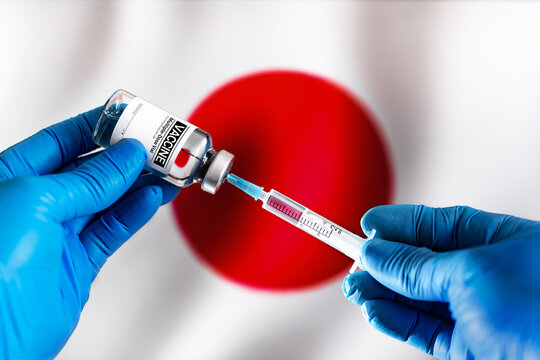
{"x": 251, "y": 189}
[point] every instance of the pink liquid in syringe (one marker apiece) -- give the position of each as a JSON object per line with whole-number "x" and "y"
{"x": 284, "y": 208}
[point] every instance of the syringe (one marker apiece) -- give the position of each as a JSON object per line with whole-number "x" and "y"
{"x": 305, "y": 219}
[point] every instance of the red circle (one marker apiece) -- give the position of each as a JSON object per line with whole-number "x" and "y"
{"x": 309, "y": 139}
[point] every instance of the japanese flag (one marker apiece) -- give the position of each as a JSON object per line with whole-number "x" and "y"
{"x": 444, "y": 93}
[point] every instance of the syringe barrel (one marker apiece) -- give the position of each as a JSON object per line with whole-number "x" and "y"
{"x": 332, "y": 234}
{"x": 312, "y": 223}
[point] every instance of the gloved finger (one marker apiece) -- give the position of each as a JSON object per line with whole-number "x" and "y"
{"x": 416, "y": 273}
{"x": 50, "y": 148}
{"x": 96, "y": 184}
{"x": 361, "y": 287}
{"x": 105, "y": 235}
{"x": 72, "y": 165}
{"x": 79, "y": 223}
{"x": 460, "y": 345}
{"x": 169, "y": 190}
{"x": 441, "y": 229}
{"x": 428, "y": 333}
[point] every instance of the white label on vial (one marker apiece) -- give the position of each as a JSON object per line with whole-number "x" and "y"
{"x": 162, "y": 134}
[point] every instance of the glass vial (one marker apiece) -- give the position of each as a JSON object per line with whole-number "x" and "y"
{"x": 178, "y": 151}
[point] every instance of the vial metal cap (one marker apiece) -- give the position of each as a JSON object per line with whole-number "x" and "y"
{"x": 217, "y": 171}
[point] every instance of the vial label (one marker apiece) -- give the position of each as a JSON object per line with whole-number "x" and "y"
{"x": 162, "y": 134}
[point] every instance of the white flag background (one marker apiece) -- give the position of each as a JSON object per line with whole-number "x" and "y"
{"x": 455, "y": 86}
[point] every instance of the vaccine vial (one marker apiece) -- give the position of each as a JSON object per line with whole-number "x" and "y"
{"x": 178, "y": 151}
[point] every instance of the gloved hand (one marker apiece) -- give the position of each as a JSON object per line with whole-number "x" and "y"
{"x": 457, "y": 283}
{"x": 60, "y": 219}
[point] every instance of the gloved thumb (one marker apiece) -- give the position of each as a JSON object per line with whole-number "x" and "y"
{"x": 97, "y": 183}
{"x": 417, "y": 273}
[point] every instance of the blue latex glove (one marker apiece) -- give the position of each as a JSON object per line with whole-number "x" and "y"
{"x": 457, "y": 283}
{"x": 61, "y": 218}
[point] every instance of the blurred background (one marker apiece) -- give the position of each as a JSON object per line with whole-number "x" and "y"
{"x": 454, "y": 87}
